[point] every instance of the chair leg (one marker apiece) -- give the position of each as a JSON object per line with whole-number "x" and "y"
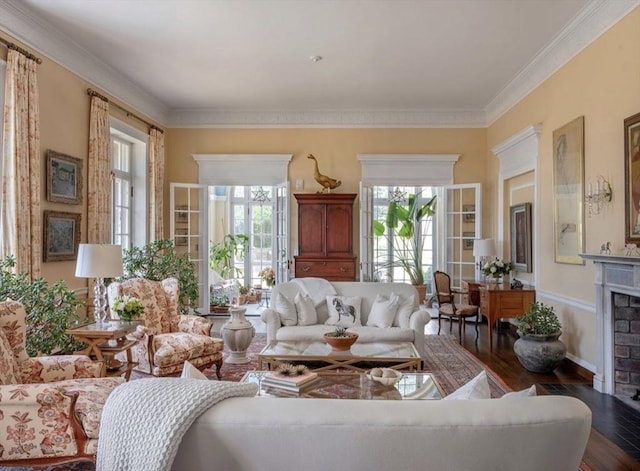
{"x": 218, "y": 364}
{"x": 477, "y": 322}
{"x": 439, "y": 321}
{"x": 450, "y": 324}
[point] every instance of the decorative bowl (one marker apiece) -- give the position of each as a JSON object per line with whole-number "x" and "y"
{"x": 387, "y": 381}
{"x": 341, "y": 343}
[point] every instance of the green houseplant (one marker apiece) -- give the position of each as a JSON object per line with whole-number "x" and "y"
{"x": 404, "y": 229}
{"x": 159, "y": 260}
{"x": 51, "y": 310}
{"x": 221, "y": 254}
{"x": 539, "y": 349}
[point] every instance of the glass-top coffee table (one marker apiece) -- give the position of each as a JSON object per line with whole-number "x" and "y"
{"x": 398, "y": 355}
{"x": 354, "y": 386}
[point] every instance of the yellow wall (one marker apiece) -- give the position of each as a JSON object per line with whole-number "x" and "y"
{"x": 335, "y": 149}
{"x": 602, "y": 83}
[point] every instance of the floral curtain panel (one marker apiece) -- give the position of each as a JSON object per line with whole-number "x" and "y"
{"x": 156, "y": 172}
{"x": 99, "y": 179}
{"x": 20, "y": 207}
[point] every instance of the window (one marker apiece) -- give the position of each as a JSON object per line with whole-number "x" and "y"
{"x": 388, "y": 251}
{"x": 129, "y": 188}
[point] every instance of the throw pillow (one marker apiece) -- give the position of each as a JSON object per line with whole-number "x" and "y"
{"x": 344, "y": 310}
{"x": 191, "y": 372}
{"x": 306, "y": 309}
{"x": 383, "y": 311}
{"x": 286, "y": 310}
{"x": 477, "y": 388}
{"x": 531, "y": 391}
{"x": 405, "y": 309}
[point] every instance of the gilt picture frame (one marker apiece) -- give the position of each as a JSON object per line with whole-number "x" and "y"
{"x": 520, "y": 240}
{"x": 61, "y": 236}
{"x": 568, "y": 192}
{"x": 64, "y": 178}
{"x": 632, "y": 179}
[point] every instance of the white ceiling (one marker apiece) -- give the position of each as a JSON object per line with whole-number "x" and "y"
{"x": 385, "y": 62}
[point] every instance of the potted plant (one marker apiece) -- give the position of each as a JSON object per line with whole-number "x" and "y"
{"x": 340, "y": 339}
{"x": 268, "y": 276}
{"x": 404, "y": 228}
{"x": 222, "y": 254}
{"x": 538, "y": 349}
{"x": 243, "y": 292}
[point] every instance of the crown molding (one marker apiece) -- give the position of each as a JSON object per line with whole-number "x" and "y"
{"x": 17, "y": 20}
{"x": 211, "y": 118}
{"x": 588, "y": 25}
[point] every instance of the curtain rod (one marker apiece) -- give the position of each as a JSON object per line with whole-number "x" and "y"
{"x": 129, "y": 114}
{"x": 24, "y": 52}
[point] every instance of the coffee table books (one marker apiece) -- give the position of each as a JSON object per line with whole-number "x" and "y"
{"x": 290, "y": 383}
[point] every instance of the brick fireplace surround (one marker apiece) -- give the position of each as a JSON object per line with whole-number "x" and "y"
{"x": 617, "y": 285}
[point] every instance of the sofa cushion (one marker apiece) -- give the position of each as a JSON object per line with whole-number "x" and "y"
{"x": 177, "y": 347}
{"x": 368, "y": 334}
{"x": 305, "y": 309}
{"x": 303, "y": 333}
{"x": 286, "y": 310}
{"x": 383, "y": 311}
{"x": 406, "y": 307}
{"x": 344, "y": 310}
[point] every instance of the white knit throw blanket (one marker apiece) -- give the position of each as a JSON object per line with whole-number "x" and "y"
{"x": 143, "y": 421}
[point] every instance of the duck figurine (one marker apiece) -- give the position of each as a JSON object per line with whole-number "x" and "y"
{"x": 327, "y": 183}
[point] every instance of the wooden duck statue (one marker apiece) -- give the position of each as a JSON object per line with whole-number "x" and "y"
{"x": 327, "y": 183}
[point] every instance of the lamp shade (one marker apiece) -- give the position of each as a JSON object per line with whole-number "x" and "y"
{"x": 99, "y": 261}
{"x": 484, "y": 248}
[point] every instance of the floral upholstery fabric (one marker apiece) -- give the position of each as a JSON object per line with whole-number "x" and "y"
{"x": 13, "y": 321}
{"x": 35, "y": 422}
{"x": 167, "y": 338}
{"x": 58, "y": 368}
{"x": 8, "y": 364}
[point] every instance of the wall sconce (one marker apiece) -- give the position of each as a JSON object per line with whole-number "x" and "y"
{"x": 595, "y": 201}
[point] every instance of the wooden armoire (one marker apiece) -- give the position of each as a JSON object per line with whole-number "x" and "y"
{"x": 325, "y": 236}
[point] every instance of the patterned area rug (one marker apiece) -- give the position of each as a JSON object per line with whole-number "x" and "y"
{"x": 450, "y": 363}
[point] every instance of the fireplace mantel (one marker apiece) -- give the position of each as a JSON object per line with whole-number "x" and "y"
{"x": 613, "y": 274}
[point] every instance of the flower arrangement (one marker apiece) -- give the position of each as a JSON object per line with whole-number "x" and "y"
{"x": 497, "y": 268}
{"x": 268, "y": 276}
{"x": 127, "y": 307}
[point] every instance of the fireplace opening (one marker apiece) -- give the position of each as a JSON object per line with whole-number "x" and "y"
{"x": 626, "y": 339}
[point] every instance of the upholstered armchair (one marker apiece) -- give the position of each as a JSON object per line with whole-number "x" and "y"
{"x": 167, "y": 339}
{"x": 50, "y": 407}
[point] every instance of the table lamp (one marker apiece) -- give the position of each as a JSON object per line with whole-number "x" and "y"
{"x": 483, "y": 249}
{"x": 99, "y": 261}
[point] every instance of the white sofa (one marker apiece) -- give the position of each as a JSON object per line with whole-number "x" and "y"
{"x": 368, "y": 291}
{"x": 264, "y": 433}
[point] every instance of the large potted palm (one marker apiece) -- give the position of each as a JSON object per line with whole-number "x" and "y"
{"x": 404, "y": 228}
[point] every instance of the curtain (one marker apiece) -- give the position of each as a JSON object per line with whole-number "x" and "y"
{"x": 156, "y": 181}
{"x": 99, "y": 179}
{"x": 20, "y": 208}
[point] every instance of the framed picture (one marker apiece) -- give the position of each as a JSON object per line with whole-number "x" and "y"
{"x": 181, "y": 237}
{"x": 632, "y": 178}
{"x": 568, "y": 192}
{"x": 61, "y": 236}
{"x": 469, "y": 212}
{"x": 64, "y": 178}
{"x": 521, "y": 237}
{"x": 467, "y": 241}
{"x": 182, "y": 214}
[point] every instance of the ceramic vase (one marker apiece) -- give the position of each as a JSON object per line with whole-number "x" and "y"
{"x": 237, "y": 333}
{"x": 540, "y": 353}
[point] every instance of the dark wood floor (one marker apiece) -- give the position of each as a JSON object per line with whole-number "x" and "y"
{"x": 601, "y": 454}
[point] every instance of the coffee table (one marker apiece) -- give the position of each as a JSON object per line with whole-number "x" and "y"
{"x": 354, "y": 386}
{"x": 398, "y": 355}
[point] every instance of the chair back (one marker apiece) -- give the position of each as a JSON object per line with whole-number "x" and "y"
{"x": 443, "y": 288}
{"x": 159, "y": 298}
{"x": 13, "y": 322}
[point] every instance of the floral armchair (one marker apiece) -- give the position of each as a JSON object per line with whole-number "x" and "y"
{"x": 167, "y": 339}
{"x": 50, "y": 407}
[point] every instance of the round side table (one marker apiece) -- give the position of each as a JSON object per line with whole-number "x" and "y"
{"x": 237, "y": 333}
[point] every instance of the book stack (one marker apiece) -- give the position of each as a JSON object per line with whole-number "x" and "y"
{"x": 290, "y": 383}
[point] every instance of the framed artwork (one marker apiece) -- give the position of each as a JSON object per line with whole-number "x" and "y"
{"x": 632, "y": 178}
{"x": 61, "y": 236}
{"x": 64, "y": 178}
{"x": 467, "y": 241}
{"x": 521, "y": 237}
{"x": 568, "y": 192}
{"x": 469, "y": 212}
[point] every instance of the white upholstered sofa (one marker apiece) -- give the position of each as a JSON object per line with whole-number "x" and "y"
{"x": 265, "y": 433}
{"x": 405, "y": 327}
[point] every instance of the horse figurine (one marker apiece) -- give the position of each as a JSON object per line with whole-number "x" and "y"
{"x": 605, "y": 249}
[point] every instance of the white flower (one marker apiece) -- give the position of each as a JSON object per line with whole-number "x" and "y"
{"x": 493, "y": 269}
{"x": 499, "y": 263}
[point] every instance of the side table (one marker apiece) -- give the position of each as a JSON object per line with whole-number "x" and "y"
{"x": 105, "y": 340}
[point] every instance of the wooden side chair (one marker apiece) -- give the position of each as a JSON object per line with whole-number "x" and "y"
{"x": 449, "y": 309}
